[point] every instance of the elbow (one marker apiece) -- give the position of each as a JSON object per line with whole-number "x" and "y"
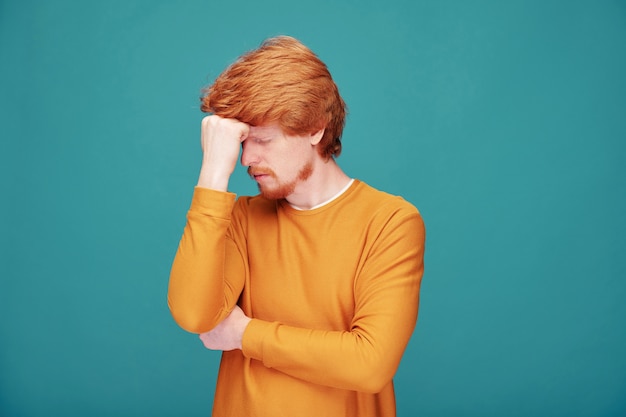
{"x": 373, "y": 382}
{"x": 191, "y": 326}
{"x": 375, "y": 367}
{"x": 373, "y": 375}
{"x": 190, "y": 321}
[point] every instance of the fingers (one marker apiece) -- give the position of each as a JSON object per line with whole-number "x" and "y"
{"x": 228, "y": 128}
{"x": 228, "y": 334}
{"x": 207, "y": 340}
{"x": 221, "y": 140}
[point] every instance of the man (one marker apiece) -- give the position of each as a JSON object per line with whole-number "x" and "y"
{"x": 311, "y": 288}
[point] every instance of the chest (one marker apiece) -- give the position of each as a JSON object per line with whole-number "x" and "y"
{"x": 302, "y": 271}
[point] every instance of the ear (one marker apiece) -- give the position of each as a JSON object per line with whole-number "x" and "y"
{"x": 315, "y": 137}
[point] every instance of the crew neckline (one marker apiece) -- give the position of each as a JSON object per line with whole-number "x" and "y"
{"x": 325, "y": 203}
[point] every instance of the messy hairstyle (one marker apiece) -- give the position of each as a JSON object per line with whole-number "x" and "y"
{"x": 284, "y": 82}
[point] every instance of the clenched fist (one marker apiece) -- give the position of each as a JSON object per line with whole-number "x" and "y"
{"x": 221, "y": 142}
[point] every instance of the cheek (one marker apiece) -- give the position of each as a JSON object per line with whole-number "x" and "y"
{"x": 291, "y": 159}
{"x": 296, "y": 165}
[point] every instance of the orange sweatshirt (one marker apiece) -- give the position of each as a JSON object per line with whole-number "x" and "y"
{"x": 333, "y": 294}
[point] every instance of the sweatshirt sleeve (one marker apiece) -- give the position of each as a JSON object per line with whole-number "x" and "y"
{"x": 207, "y": 273}
{"x": 365, "y": 357}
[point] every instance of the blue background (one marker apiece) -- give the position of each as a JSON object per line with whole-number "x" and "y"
{"x": 503, "y": 121}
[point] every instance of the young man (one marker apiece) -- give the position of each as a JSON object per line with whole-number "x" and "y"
{"x": 311, "y": 288}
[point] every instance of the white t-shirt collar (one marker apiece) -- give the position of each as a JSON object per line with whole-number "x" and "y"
{"x": 336, "y": 196}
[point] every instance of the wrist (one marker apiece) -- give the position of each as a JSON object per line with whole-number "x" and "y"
{"x": 212, "y": 179}
{"x": 243, "y": 326}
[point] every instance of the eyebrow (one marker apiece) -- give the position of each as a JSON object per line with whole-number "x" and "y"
{"x": 260, "y": 135}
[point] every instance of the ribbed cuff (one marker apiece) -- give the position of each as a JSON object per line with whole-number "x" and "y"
{"x": 212, "y": 203}
{"x": 253, "y": 338}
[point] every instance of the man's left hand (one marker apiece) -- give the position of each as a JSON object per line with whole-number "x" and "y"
{"x": 227, "y": 335}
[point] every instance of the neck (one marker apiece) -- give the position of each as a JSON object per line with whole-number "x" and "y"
{"x": 326, "y": 181}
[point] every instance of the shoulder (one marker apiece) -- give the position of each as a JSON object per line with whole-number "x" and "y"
{"x": 380, "y": 201}
{"x": 382, "y": 212}
{"x": 390, "y": 220}
{"x": 254, "y": 205}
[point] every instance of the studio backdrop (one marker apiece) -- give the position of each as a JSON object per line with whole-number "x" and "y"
{"x": 504, "y": 122}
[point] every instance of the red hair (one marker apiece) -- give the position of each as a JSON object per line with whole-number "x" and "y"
{"x": 282, "y": 81}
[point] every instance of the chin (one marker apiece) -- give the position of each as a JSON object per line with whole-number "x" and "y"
{"x": 277, "y": 193}
{"x": 273, "y": 194}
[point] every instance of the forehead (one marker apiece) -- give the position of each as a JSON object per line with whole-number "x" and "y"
{"x": 268, "y": 129}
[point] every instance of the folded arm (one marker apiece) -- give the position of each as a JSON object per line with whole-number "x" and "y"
{"x": 199, "y": 295}
{"x": 365, "y": 357}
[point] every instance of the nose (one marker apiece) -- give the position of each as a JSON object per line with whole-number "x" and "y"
{"x": 249, "y": 156}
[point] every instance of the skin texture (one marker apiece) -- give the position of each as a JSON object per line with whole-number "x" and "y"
{"x": 228, "y": 334}
{"x": 284, "y": 166}
{"x": 276, "y": 161}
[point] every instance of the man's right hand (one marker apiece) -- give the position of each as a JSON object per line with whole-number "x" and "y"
{"x": 221, "y": 142}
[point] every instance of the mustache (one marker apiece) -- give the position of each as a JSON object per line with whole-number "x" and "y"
{"x": 252, "y": 171}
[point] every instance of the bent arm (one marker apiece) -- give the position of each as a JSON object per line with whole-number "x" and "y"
{"x": 199, "y": 295}
{"x": 365, "y": 357}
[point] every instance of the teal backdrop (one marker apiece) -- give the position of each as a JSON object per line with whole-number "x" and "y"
{"x": 504, "y": 122}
